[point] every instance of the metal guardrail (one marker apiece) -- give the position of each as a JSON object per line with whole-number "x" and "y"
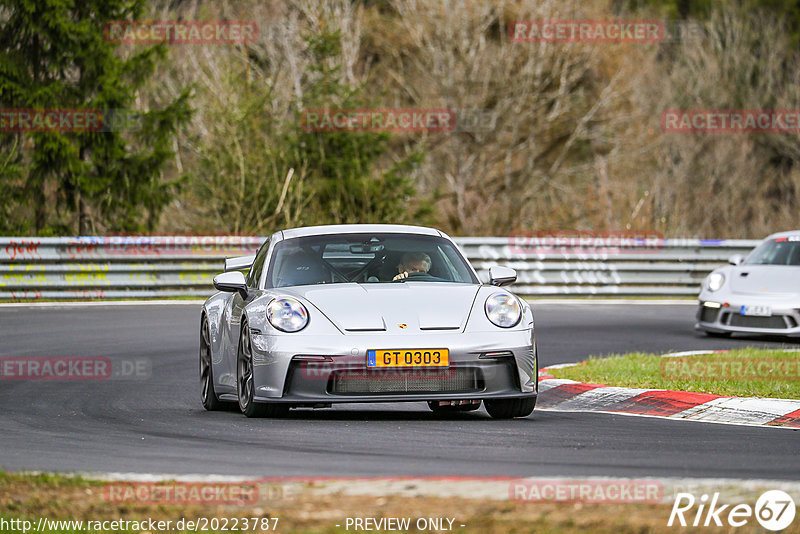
{"x": 146, "y": 267}
{"x": 659, "y": 267}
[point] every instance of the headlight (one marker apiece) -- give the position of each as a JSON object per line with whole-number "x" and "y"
{"x": 287, "y": 315}
{"x": 715, "y": 281}
{"x": 503, "y": 310}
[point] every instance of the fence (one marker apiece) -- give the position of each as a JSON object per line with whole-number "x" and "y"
{"x": 77, "y": 268}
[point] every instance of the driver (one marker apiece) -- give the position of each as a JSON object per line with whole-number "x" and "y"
{"x": 413, "y": 262}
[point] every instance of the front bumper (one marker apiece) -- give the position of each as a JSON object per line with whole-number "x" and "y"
{"x": 784, "y": 321}
{"x": 282, "y": 373}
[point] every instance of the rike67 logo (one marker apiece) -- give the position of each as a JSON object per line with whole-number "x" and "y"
{"x": 774, "y": 510}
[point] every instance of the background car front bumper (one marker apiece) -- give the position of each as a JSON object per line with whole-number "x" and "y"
{"x": 784, "y": 321}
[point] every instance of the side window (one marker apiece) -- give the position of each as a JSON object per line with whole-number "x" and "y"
{"x": 255, "y": 271}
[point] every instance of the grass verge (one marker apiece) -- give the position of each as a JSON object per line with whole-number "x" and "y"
{"x": 301, "y": 510}
{"x": 746, "y": 372}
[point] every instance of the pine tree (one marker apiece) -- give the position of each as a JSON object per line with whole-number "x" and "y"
{"x": 53, "y": 55}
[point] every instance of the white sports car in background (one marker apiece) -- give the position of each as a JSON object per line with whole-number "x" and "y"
{"x": 759, "y": 294}
{"x": 365, "y": 313}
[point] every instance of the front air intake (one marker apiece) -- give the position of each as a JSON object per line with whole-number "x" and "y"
{"x": 398, "y": 381}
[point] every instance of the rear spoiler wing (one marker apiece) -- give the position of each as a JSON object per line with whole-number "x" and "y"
{"x": 239, "y": 262}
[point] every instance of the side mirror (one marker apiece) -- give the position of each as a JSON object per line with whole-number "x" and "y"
{"x": 239, "y": 262}
{"x": 501, "y": 276}
{"x": 231, "y": 282}
{"x": 736, "y": 259}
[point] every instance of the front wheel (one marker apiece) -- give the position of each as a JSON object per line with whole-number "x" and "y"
{"x": 245, "y": 388}
{"x": 207, "y": 393}
{"x": 510, "y": 408}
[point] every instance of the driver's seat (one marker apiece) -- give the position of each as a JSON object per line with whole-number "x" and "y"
{"x": 301, "y": 269}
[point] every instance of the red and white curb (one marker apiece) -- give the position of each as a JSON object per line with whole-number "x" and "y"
{"x": 568, "y": 395}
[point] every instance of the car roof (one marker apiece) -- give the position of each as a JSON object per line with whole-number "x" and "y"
{"x": 790, "y": 233}
{"x": 359, "y": 228}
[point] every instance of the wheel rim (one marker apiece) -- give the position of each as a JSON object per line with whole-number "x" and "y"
{"x": 245, "y": 381}
{"x": 205, "y": 361}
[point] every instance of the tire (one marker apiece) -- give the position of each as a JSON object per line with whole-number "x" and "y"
{"x": 435, "y": 408}
{"x": 245, "y": 388}
{"x": 208, "y": 395}
{"x": 510, "y": 408}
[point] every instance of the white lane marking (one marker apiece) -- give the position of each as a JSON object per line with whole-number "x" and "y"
{"x": 558, "y": 366}
{"x": 721, "y": 351}
{"x": 94, "y": 303}
{"x": 167, "y": 302}
{"x": 590, "y": 302}
{"x": 692, "y": 353}
{"x": 157, "y": 477}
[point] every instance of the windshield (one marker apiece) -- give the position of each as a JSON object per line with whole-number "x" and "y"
{"x": 780, "y": 251}
{"x": 368, "y": 258}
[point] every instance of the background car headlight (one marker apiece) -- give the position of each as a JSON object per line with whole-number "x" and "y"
{"x": 715, "y": 281}
{"x": 503, "y": 310}
{"x": 287, "y": 315}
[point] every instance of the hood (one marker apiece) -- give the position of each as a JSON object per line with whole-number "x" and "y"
{"x": 383, "y": 307}
{"x": 765, "y": 279}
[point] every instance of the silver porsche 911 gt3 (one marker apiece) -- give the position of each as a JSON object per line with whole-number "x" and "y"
{"x": 759, "y": 294}
{"x": 365, "y": 313}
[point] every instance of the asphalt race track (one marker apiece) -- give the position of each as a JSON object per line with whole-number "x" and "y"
{"x": 157, "y": 425}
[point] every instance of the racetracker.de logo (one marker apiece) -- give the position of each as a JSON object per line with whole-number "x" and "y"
{"x": 731, "y": 121}
{"x": 378, "y": 120}
{"x": 586, "y": 31}
{"x": 181, "y": 32}
{"x": 69, "y": 120}
{"x": 166, "y": 245}
{"x": 51, "y": 120}
{"x": 585, "y": 242}
{"x": 587, "y": 491}
{"x": 709, "y": 368}
{"x": 182, "y": 493}
{"x": 345, "y": 372}
{"x": 73, "y": 368}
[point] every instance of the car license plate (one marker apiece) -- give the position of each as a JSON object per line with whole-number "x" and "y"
{"x": 761, "y": 311}
{"x": 408, "y": 358}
